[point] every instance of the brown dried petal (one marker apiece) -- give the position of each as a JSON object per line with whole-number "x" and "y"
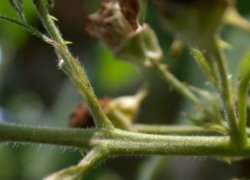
{"x": 81, "y": 116}
{"x": 109, "y": 25}
{"x": 130, "y": 10}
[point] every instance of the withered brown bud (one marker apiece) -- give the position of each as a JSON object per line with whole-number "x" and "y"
{"x": 117, "y": 25}
{"x": 81, "y": 117}
{"x": 130, "y": 10}
{"x": 110, "y": 25}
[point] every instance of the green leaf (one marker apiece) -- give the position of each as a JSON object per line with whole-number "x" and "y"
{"x": 18, "y": 6}
{"x": 14, "y": 34}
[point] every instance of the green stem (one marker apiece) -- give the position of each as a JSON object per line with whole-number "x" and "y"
{"x": 127, "y": 143}
{"x": 180, "y": 130}
{"x": 181, "y": 88}
{"x": 90, "y": 161}
{"x": 71, "y": 66}
{"x": 226, "y": 90}
{"x": 119, "y": 142}
{"x": 57, "y": 136}
{"x": 175, "y": 83}
{"x": 242, "y": 105}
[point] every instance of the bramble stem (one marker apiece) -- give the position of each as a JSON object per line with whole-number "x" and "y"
{"x": 226, "y": 90}
{"x": 71, "y": 66}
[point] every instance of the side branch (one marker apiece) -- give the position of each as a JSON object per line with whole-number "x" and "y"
{"x": 91, "y": 160}
{"x": 71, "y": 66}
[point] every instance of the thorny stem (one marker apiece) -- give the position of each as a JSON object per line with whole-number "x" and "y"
{"x": 71, "y": 66}
{"x": 226, "y": 91}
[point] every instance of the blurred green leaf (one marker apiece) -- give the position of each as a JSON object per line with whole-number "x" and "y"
{"x": 10, "y": 32}
{"x": 8, "y": 163}
{"x": 240, "y": 45}
{"x": 114, "y": 74}
{"x": 17, "y": 5}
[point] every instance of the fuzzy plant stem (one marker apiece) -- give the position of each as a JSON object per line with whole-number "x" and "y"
{"x": 243, "y": 95}
{"x": 119, "y": 142}
{"x": 180, "y": 87}
{"x": 179, "y": 130}
{"x": 225, "y": 90}
{"x": 71, "y": 66}
{"x": 242, "y": 103}
{"x": 92, "y": 159}
{"x": 175, "y": 83}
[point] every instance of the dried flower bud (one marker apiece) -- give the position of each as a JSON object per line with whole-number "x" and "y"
{"x": 109, "y": 24}
{"x": 192, "y": 20}
{"x": 81, "y": 117}
{"x": 130, "y": 10}
{"x": 126, "y": 107}
{"x": 117, "y": 25}
{"x": 121, "y": 111}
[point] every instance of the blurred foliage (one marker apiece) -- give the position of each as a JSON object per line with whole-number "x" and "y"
{"x": 37, "y": 93}
{"x": 111, "y": 71}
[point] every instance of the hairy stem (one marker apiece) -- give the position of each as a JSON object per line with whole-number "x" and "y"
{"x": 91, "y": 160}
{"x": 182, "y": 89}
{"x": 175, "y": 83}
{"x": 71, "y": 66}
{"x": 242, "y": 103}
{"x": 57, "y": 136}
{"x": 226, "y": 90}
{"x": 120, "y": 142}
{"x": 179, "y": 130}
{"x": 145, "y": 144}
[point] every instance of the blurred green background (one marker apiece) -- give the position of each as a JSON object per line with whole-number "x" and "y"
{"x": 34, "y": 92}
